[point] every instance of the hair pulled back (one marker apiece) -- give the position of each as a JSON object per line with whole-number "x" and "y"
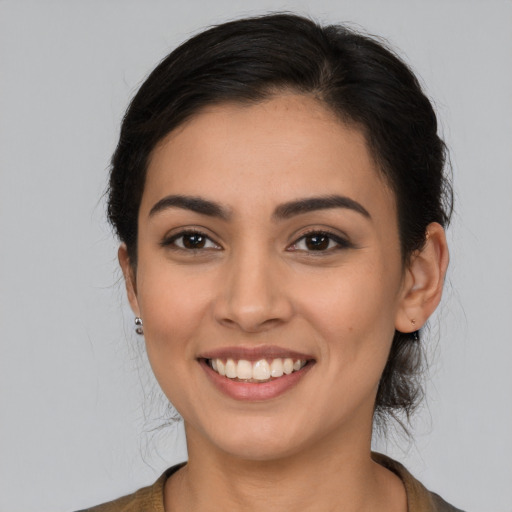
{"x": 355, "y": 76}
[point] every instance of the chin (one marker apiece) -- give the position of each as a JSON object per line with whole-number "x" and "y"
{"x": 259, "y": 442}
{"x": 258, "y": 451}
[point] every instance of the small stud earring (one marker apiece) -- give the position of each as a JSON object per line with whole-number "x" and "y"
{"x": 415, "y": 334}
{"x": 138, "y": 326}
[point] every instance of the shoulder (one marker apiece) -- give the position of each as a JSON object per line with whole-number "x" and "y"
{"x": 419, "y": 499}
{"x": 147, "y": 499}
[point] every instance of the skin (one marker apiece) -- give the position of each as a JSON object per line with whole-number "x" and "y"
{"x": 257, "y": 282}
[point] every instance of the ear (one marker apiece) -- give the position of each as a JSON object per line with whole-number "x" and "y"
{"x": 423, "y": 281}
{"x": 129, "y": 278}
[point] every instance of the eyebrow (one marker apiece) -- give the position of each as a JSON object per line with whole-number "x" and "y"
{"x": 310, "y": 204}
{"x": 196, "y": 204}
{"x": 282, "y": 212}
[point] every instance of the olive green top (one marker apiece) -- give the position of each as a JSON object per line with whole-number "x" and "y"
{"x": 151, "y": 499}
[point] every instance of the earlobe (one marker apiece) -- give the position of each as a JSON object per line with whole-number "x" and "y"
{"x": 129, "y": 278}
{"x": 424, "y": 280}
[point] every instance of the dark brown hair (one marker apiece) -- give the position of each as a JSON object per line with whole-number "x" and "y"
{"x": 356, "y": 76}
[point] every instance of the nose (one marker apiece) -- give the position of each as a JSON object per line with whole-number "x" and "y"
{"x": 252, "y": 296}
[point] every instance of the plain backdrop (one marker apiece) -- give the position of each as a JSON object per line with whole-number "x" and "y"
{"x": 78, "y": 409}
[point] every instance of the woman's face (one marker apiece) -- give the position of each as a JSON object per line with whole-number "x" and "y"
{"x": 266, "y": 234}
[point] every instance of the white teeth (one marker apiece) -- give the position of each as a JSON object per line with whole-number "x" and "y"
{"x": 288, "y": 366}
{"x": 276, "y": 368}
{"x": 257, "y": 371}
{"x": 244, "y": 370}
{"x": 261, "y": 370}
{"x": 231, "y": 369}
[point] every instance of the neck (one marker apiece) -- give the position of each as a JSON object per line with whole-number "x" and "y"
{"x": 324, "y": 478}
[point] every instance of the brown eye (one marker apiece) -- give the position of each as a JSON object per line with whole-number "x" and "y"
{"x": 194, "y": 241}
{"x": 320, "y": 242}
{"x": 190, "y": 241}
{"x": 317, "y": 242}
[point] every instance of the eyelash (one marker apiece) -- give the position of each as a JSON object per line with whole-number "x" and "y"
{"x": 341, "y": 243}
{"x": 171, "y": 241}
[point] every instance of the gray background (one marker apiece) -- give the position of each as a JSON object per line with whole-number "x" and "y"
{"x": 76, "y": 403}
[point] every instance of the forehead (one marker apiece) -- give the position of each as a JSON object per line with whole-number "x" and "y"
{"x": 285, "y": 147}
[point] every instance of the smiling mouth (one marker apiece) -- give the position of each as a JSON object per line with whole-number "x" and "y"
{"x": 260, "y": 371}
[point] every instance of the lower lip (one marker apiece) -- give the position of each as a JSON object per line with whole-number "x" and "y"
{"x": 252, "y": 391}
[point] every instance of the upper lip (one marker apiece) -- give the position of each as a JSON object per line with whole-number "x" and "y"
{"x": 254, "y": 353}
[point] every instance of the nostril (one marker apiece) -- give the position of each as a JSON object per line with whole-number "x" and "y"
{"x": 251, "y": 325}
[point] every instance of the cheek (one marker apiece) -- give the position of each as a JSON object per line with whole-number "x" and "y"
{"x": 350, "y": 302}
{"x": 172, "y": 307}
{"x": 354, "y": 315}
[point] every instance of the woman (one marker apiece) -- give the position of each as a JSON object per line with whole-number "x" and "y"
{"x": 278, "y": 190}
